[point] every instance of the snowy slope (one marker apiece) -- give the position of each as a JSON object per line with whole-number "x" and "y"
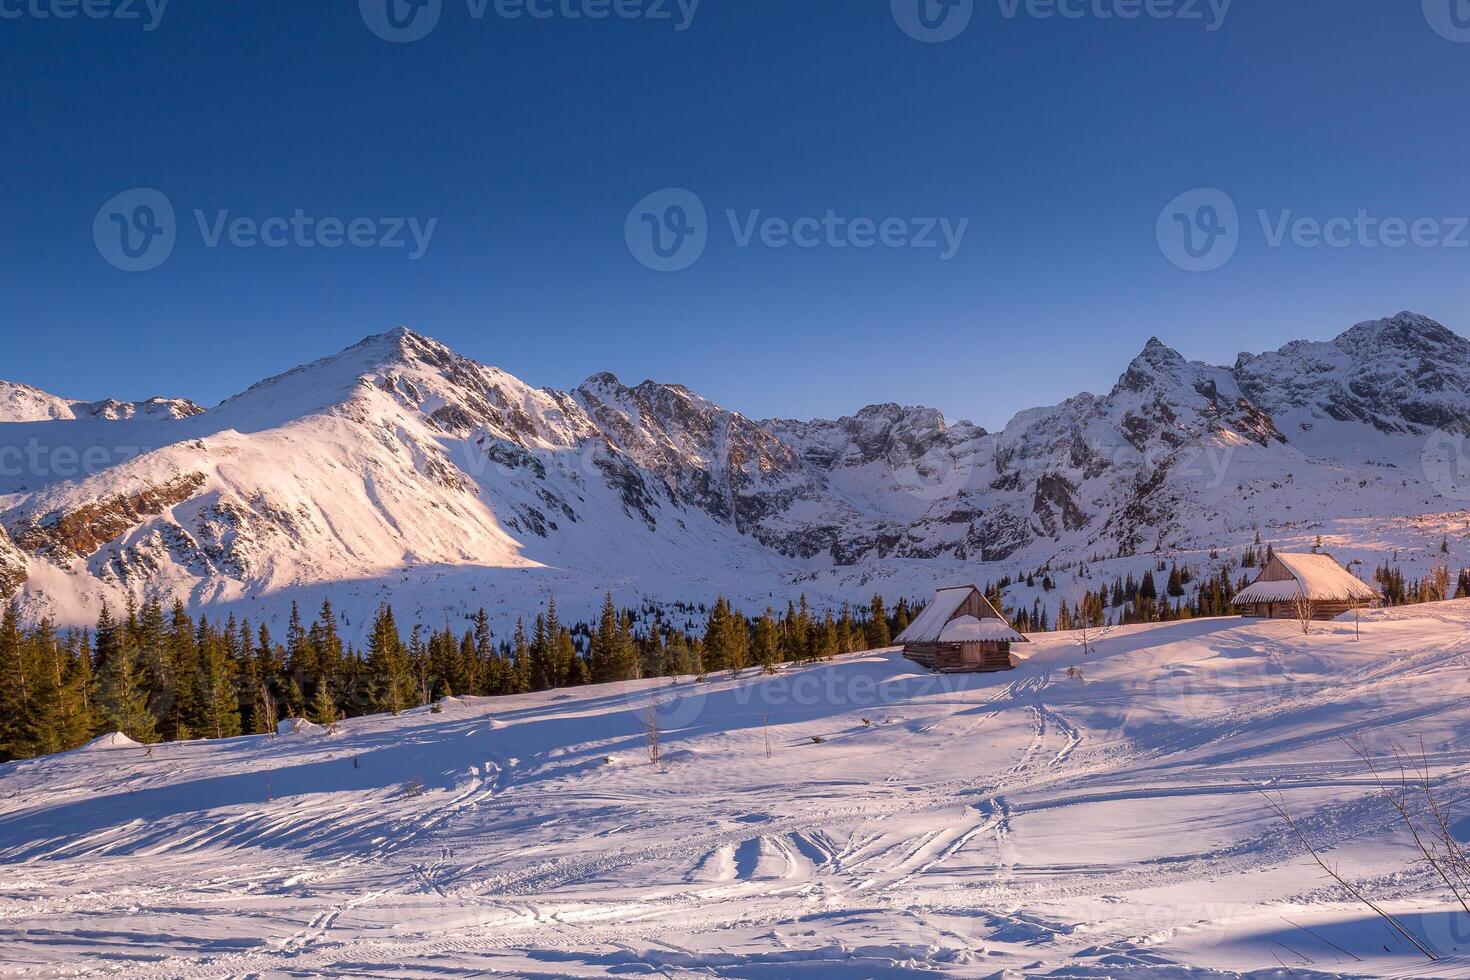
{"x": 397, "y": 468}
{"x": 851, "y": 819}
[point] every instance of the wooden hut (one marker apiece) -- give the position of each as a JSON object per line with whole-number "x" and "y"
{"x": 960, "y": 632}
{"x": 1329, "y": 590}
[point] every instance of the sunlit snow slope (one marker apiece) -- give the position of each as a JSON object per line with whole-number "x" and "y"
{"x": 850, "y": 819}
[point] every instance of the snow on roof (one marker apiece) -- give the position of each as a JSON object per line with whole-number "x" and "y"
{"x": 933, "y": 625}
{"x": 927, "y": 626}
{"x": 1319, "y": 577}
{"x": 968, "y": 629}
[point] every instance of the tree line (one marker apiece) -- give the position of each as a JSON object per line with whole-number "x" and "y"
{"x": 162, "y": 675}
{"x": 159, "y": 675}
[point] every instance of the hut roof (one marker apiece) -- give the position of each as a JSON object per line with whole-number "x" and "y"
{"x": 933, "y": 624}
{"x": 1318, "y": 577}
{"x": 968, "y": 629}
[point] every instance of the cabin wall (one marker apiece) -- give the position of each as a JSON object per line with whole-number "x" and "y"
{"x": 961, "y": 657}
{"x": 1275, "y": 572}
{"x": 1287, "y": 610}
{"x": 975, "y": 605}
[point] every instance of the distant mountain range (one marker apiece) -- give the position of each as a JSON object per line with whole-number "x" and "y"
{"x": 400, "y": 469}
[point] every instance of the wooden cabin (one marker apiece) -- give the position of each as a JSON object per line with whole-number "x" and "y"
{"x": 1331, "y": 589}
{"x": 959, "y": 631}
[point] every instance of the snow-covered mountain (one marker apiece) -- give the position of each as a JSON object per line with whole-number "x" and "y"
{"x": 23, "y": 403}
{"x": 399, "y": 468}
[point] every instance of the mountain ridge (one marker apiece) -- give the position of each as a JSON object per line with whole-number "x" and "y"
{"x": 398, "y": 460}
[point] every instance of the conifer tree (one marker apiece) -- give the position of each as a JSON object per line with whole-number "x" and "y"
{"x": 247, "y": 683}
{"x": 543, "y": 671}
{"x": 717, "y": 635}
{"x": 490, "y": 672}
{"x": 15, "y": 688}
{"x": 520, "y": 679}
{"x": 327, "y": 644}
{"x": 72, "y": 668}
{"x": 219, "y": 707}
{"x": 846, "y": 630}
{"x": 323, "y": 709}
{"x": 388, "y": 665}
{"x": 155, "y": 674}
{"x": 767, "y": 642}
{"x": 901, "y": 617}
{"x": 678, "y": 656}
{"x": 609, "y": 659}
{"x": 626, "y": 663}
{"x": 878, "y": 635}
{"x": 120, "y": 687}
{"x": 181, "y": 653}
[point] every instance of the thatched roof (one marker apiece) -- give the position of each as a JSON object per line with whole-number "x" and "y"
{"x": 1318, "y": 577}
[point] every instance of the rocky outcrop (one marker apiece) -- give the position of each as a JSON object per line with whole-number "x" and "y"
{"x": 12, "y": 567}
{"x": 67, "y": 534}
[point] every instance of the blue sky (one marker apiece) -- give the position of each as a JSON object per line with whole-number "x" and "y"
{"x": 528, "y": 141}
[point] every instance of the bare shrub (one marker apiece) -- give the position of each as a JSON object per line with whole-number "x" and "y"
{"x": 1306, "y": 612}
{"x": 1279, "y": 806}
{"x": 268, "y": 708}
{"x": 650, "y": 731}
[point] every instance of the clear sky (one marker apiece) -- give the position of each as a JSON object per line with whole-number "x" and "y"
{"x": 531, "y": 140}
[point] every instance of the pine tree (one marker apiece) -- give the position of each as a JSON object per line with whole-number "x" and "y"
{"x": 846, "y": 630}
{"x": 15, "y": 688}
{"x": 520, "y": 679}
{"x": 121, "y": 696}
{"x": 717, "y": 631}
{"x": 155, "y": 673}
{"x": 767, "y": 642}
{"x": 901, "y": 617}
{"x": 609, "y": 658}
{"x": 182, "y": 656}
{"x": 219, "y": 707}
{"x": 543, "y": 673}
{"x": 388, "y": 664}
{"x": 878, "y": 636}
{"x": 491, "y": 676}
{"x": 323, "y": 709}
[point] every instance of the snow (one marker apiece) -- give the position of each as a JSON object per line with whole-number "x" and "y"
{"x": 1085, "y": 815}
{"x": 396, "y": 470}
{"x": 927, "y": 626}
{"x": 1317, "y": 576}
{"x": 115, "y": 740}
{"x": 968, "y": 629}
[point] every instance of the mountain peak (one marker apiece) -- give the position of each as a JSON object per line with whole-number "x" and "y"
{"x": 1158, "y": 352}
{"x": 1156, "y": 360}
{"x": 604, "y": 379}
{"x": 1403, "y": 331}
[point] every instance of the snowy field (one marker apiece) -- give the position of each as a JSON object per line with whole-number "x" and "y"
{"x": 852, "y": 819}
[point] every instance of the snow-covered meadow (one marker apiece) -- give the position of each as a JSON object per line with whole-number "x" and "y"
{"x": 857, "y": 818}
